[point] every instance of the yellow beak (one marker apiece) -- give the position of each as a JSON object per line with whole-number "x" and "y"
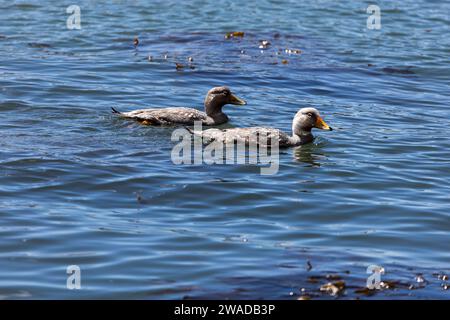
{"x": 237, "y": 101}
{"x": 321, "y": 124}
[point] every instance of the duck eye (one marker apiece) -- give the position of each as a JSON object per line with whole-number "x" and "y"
{"x": 310, "y": 114}
{"x": 226, "y": 93}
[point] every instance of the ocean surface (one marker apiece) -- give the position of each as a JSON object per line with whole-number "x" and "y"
{"x": 78, "y": 186}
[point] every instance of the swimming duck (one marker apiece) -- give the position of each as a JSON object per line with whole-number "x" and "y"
{"x": 215, "y": 99}
{"x": 304, "y": 120}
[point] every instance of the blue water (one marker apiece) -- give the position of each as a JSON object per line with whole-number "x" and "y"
{"x": 80, "y": 187}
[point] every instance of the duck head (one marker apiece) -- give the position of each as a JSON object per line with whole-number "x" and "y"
{"x": 306, "y": 119}
{"x": 217, "y": 97}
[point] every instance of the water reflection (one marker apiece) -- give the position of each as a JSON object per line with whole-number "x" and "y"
{"x": 310, "y": 154}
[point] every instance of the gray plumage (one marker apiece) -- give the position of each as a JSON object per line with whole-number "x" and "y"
{"x": 304, "y": 121}
{"x": 215, "y": 99}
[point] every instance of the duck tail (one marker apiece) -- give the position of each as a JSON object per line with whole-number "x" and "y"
{"x": 115, "y": 111}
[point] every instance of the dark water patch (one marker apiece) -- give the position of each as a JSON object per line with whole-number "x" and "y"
{"x": 332, "y": 285}
{"x": 392, "y": 70}
{"x": 14, "y": 105}
{"x": 39, "y": 45}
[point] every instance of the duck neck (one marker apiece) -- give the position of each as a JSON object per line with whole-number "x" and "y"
{"x": 302, "y": 136}
{"x": 214, "y": 111}
{"x": 218, "y": 118}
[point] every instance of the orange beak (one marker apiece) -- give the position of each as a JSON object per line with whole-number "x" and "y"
{"x": 321, "y": 124}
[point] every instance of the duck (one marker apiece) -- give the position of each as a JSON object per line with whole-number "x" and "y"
{"x": 215, "y": 99}
{"x": 304, "y": 121}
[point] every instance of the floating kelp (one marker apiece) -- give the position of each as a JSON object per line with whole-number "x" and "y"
{"x": 419, "y": 278}
{"x": 293, "y": 51}
{"x": 265, "y": 49}
{"x": 347, "y": 288}
{"x": 314, "y": 279}
{"x": 384, "y": 285}
{"x": 442, "y": 277}
{"x": 388, "y": 285}
{"x": 180, "y": 66}
{"x": 333, "y": 288}
{"x": 365, "y": 291}
{"x": 333, "y": 277}
{"x": 235, "y": 34}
